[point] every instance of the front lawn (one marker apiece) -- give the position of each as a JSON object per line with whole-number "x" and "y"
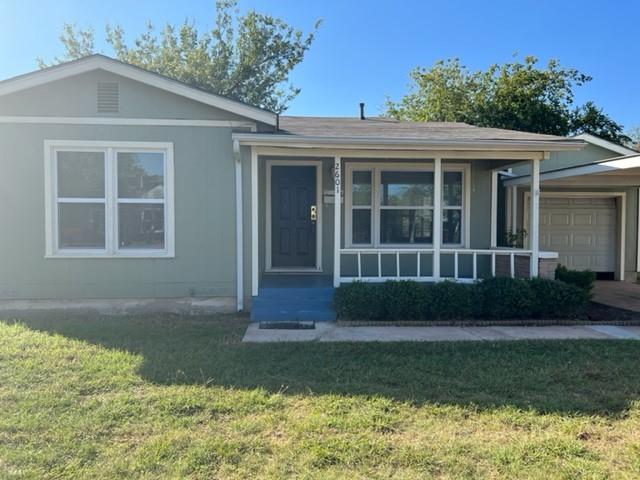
{"x": 181, "y": 397}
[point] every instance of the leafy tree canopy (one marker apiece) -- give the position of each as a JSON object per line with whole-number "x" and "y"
{"x": 244, "y": 57}
{"x": 516, "y": 95}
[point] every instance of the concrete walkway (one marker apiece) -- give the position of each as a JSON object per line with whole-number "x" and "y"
{"x": 330, "y": 332}
{"x": 618, "y": 294}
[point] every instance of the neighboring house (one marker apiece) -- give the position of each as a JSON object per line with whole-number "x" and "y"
{"x": 588, "y": 208}
{"x": 125, "y": 186}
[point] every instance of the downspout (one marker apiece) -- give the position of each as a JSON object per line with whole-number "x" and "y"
{"x": 239, "y": 234}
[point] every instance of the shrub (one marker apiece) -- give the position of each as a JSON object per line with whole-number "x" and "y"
{"x": 583, "y": 279}
{"x": 494, "y": 298}
{"x": 506, "y": 298}
{"x": 452, "y": 301}
{"x": 555, "y": 299}
{"x": 403, "y": 300}
{"x": 359, "y": 301}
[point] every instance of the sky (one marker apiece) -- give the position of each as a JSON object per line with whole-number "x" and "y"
{"x": 365, "y": 50}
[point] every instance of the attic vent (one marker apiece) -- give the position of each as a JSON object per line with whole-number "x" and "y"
{"x": 108, "y": 97}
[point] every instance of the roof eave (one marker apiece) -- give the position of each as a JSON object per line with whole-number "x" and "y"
{"x": 299, "y": 141}
{"x": 602, "y": 167}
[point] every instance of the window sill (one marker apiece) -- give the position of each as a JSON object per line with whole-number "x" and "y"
{"x": 67, "y": 256}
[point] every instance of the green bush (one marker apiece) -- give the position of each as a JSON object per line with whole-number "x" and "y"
{"x": 494, "y": 298}
{"x": 452, "y": 301}
{"x": 506, "y": 298}
{"x": 403, "y": 300}
{"x": 583, "y": 279}
{"x": 555, "y": 299}
{"x": 359, "y": 301}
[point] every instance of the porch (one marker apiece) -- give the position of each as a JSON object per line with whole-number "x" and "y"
{"x": 374, "y": 199}
{"x": 409, "y": 217}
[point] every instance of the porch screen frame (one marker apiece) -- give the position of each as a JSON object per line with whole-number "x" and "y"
{"x": 376, "y": 170}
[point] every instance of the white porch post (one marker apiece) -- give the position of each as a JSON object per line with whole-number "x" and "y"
{"x": 534, "y": 227}
{"x": 337, "y": 225}
{"x": 254, "y": 223}
{"x": 514, "y": 209}
{"x": 239, "y": 234}
{"x": 494, "y": 209}
{"x": 437, "y": 216}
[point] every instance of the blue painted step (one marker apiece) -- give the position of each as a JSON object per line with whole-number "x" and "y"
{"x": 293, "y": 304}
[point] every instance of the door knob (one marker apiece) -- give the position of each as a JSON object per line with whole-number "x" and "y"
{"x": 314, "y": 213}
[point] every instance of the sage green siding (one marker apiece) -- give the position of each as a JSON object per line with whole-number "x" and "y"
{"x": 589, "y": 154}
{"x": 204, "y": 176}
{"x": 204, "y": 264}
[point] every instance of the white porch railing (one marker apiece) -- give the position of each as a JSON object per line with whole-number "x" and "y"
{"x": 495, "y": 256}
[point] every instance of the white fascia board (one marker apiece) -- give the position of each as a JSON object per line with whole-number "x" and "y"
{"x": 606, "y": 144}
{"x": 608, "y": 166}
{"x": 116, "y": 67}
{"x": 300, "y": 141}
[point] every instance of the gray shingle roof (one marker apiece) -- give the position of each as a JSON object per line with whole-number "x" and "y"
{"x": 386, "y": 128}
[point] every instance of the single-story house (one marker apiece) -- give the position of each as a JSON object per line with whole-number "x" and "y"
{"x": 124, "y": 187}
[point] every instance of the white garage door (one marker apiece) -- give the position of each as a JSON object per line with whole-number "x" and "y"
{"x": 581, "y": 230}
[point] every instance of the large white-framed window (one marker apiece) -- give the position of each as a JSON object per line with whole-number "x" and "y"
{"x": 109, "y": 199}
{"x": 391, "y": 205}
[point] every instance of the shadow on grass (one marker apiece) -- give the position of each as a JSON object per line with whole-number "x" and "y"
{"x": 578, "y": 377}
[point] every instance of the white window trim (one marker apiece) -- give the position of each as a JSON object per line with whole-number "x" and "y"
{"x": 376, "y": 169}
{"x": 111, "y": 201}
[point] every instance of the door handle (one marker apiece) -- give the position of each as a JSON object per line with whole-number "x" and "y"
{"x": 314, "y": 213}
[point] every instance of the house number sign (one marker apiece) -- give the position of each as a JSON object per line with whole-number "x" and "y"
{"x": 337, "y": 176}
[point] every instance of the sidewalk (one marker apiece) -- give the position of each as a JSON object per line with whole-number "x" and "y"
{"x": 330, "y": 332}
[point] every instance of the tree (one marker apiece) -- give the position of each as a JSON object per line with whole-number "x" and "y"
{"x": 634, "y": 135}
{"x": 244, "y": 57}
{"x": 516, "y": 95}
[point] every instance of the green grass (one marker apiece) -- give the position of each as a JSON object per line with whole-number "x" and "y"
{"x": 179, "y": 397}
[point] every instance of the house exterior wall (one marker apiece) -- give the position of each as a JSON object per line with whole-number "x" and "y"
{"x": 204, "y": 175}
{"x": 204, "y": 263}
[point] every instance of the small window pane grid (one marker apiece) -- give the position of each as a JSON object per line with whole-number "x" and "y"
{"x": 405, "y": 206}
{"x": 362, "y": 199}
{"x": 109, "y": 202}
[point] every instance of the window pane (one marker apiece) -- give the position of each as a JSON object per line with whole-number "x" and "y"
{"x": 407, "y": 189}
{"x": 406, "y": 226}
{"x": 451, "y": 226}
{"x": 140, "y": 175}
{"x": 362, "y": 188}
{"x": 80, "y": 174}
{"x": 452, "y": 189}
{"x": 141, "y": 226}
{"x": 361, "y": 228}
{"x": 81, "y": 225}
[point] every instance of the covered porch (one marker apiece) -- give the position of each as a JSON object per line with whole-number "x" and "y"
{"x": 377, "y": 199}
{"x": 421, "y": 215}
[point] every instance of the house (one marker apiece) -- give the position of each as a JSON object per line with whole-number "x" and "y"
{"x": 588, "y": 207}
{"x": 125, "y": 188}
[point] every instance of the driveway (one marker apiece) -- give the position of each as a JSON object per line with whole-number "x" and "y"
{"x": 618, "y": 294}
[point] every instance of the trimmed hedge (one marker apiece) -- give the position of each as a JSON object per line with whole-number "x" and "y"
{"x": 494, "y": 298}
{"x": 583, "y": 279}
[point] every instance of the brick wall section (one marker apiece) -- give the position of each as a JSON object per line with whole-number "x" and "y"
{"x": 546, "y": 266}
